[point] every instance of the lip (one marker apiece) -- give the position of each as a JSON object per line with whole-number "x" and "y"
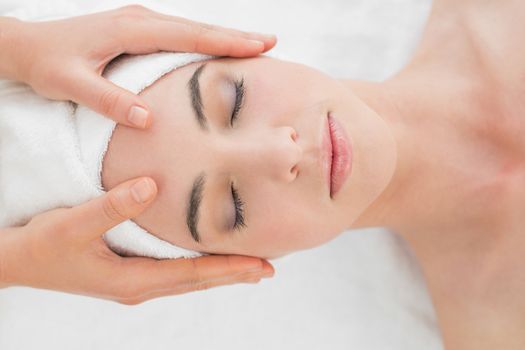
{"x": 337, "y": 155}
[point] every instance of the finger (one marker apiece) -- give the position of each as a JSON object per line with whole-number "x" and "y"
{"x": 181, "y": 275}
{"x": 251, "y": 278}
{"x": 158, "y": 35}
{"x": 243, "y": 34}
{"x": 110, "y": 100}
{"x": 269, "y": 40}
{"x": 123, "y": 202}
{"x": 131, "y": 16}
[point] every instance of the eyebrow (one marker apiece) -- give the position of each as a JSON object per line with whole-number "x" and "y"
{"x": 192, "y": 214}
{"x": 195, "y": 199}
{"x": 196, "y": 97}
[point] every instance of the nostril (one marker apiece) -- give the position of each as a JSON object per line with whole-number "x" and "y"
{"x": 294, "y": 135}
{"x": 294, "y": 171}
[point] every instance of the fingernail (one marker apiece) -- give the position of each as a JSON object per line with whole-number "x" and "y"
{"x": 142, "y": 191}
{"x": 259, "y": 44}
{"x": 269, "y": 36}
{"x": 265, "y": 36}
{"x": 268, "y": 270}
{"x": 138, "y": 116}
{"x": 267, "y": 274}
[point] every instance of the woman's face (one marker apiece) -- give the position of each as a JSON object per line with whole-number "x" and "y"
{"x": 254, "y": 184}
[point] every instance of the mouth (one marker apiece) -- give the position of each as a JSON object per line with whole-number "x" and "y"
{"x": 337, "y": 155}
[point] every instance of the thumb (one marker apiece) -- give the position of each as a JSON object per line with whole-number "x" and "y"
{"x": 123, "y": 202}
{"x": 104, "y": 97}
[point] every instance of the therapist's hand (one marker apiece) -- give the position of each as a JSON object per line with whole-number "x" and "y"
{"x": 64, "y": 59}
{"x": 63, "y": 250}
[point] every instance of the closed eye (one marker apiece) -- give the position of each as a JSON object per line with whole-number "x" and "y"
{"x": 239, "y": 99}
{"x": 239, "y": 210}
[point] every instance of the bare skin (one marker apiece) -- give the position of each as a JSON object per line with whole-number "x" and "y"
{"x": 458, "y": 195}
{"x": 37, "y": 53}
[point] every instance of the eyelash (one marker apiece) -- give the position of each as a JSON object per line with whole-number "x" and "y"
{"x": 239, "y": 210}
{"x": 238, "y": 203}
{"x": 239, "y": 99}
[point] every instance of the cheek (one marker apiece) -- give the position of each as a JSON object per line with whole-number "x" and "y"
{"x": 286, "y": 234}
{"x": 290, "y": 222}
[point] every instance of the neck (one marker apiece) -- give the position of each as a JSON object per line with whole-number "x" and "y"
{"x": 453, "y": 193}
{"x": 441, "y": 153}
{"x": 437, "y": 109}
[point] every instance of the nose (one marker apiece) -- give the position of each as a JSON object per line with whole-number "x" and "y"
{"x": 273, "y": 152}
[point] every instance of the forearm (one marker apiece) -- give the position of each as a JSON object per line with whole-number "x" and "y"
{"x": 12, "y": 52}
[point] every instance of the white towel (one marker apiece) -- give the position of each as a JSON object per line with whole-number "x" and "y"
{"x": 51, "y": 153}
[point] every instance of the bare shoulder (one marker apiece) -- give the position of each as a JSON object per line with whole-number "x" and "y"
{"x": 478, "y": 289}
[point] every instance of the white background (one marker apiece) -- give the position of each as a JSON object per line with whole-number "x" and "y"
{"x": 361, "y": 291}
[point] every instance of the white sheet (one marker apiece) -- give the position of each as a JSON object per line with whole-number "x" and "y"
{"x": 362, "y": 291}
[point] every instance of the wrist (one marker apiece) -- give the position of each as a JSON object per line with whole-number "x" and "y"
{"x": 7, "y": 247}
{"x": 12, "y": 53}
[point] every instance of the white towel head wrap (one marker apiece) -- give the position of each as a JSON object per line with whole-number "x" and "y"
{"x": 134, "y": 73}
